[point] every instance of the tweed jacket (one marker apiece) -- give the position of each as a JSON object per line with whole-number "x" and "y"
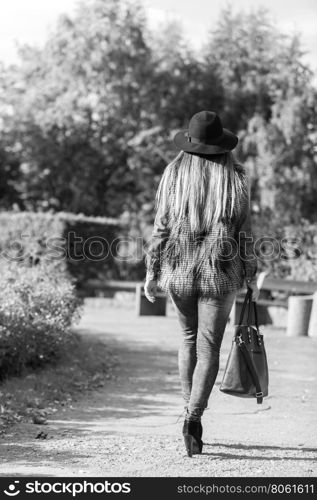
{"x": 180, "y": 275}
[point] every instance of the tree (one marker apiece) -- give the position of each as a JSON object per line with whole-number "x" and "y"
{"x": 76, "y": 104}
{"x": 269, "y": 100}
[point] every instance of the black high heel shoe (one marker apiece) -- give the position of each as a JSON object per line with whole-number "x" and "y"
{"x": 192, "y": 432}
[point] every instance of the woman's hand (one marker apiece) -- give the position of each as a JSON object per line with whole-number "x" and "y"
{"x": 150, "y": 290}
{"x": 255, "y": 291}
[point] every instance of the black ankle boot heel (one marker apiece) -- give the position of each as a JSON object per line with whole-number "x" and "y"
{"x": 200, "y": 430}
{"x": 192, "y": 437}
{"x": 189, "y": 444}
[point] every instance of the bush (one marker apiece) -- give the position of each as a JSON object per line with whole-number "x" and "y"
{"x": 71, "y": 243}
{"x": 37, "y": 308}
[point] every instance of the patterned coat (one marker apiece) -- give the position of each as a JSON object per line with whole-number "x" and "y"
{"x": 182, "y": 263}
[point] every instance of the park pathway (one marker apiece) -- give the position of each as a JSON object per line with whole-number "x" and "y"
{"x": 129, "y": 427}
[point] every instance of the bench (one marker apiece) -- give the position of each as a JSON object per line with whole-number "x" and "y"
{"x": 143, "y": 307}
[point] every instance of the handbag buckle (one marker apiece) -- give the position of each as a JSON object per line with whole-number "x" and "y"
{"x": 240, "y": 340}
{"x": 259, "y": 394}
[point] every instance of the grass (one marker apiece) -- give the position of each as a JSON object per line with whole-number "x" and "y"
{"x": 41, "y": 392}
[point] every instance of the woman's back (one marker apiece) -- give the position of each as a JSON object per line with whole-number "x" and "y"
{"x": 201, "y": 205}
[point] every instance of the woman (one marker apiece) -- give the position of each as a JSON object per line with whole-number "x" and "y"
{"x": 201, "y": 253}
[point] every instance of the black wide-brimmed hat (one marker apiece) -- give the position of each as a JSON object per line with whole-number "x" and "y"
{"x": 205, "y": 135}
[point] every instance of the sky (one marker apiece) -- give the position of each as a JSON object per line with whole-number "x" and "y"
{"x": 29, "y": 21}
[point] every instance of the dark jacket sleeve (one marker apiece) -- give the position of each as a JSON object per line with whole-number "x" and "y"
{"x": 247, "y": 244}
{"x": 156, "y": 245}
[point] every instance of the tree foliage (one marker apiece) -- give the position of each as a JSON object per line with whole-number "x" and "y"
{"x": 87, "y": 120}
{"x": 270, "y": 101}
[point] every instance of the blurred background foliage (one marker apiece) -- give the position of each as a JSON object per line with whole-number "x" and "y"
{"x": 86, "y": 121}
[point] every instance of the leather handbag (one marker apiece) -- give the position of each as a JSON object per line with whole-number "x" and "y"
{"x": 246, "y": 373}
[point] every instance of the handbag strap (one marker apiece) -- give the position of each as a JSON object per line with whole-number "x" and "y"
{"x": 254, "y": 375}
{"x": 244, "y": 305}
{"x": 250, "y": 302}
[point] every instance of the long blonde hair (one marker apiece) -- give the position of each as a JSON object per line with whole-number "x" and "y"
{"x": 204, "y": 193}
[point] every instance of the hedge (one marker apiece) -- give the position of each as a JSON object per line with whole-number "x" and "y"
{"x": 85, "y": 247}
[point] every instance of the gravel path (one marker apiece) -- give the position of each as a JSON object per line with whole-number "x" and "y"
{"x": 129, "y": 427}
